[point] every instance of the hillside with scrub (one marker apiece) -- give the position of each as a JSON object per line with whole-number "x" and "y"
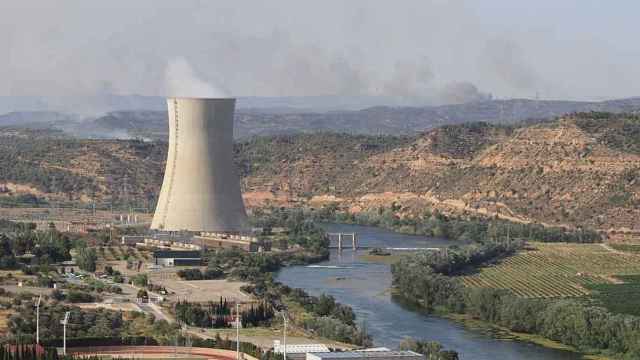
{"x": 579, "y": 170}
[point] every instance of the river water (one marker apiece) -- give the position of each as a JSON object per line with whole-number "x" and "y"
{"x": 364, "y": 285}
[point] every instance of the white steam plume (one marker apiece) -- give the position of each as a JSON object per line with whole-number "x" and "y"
{"x": 181, "y": 80}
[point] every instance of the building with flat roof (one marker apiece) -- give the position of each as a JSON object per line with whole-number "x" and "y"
{"x": 299, "y": 351}
{"x": 364, "y": 355}
{"x": 177, "y": 258}
{"x": 214, "y": 240}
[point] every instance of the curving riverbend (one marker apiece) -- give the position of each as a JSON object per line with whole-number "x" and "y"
{"x": 364, "y": 285}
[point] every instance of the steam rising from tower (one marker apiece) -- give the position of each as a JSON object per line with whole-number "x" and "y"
{"x": 200, "y": 190}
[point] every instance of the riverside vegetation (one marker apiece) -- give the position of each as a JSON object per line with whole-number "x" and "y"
{"x": 321, "y": 316}
{"x": 451, "y": 227}
{"x": 430, "y": 281}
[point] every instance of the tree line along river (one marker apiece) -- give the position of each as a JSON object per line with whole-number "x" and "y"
{"x": 364, "y": 285}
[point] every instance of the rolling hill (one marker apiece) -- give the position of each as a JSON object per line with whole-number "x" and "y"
{"x": 578, "y": 170}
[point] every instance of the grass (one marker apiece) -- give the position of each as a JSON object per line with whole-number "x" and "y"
{"x": 383, "y": 259}
{"x": 555, "y": 270}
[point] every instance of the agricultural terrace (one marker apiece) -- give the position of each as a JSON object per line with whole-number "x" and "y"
{"x": 551, "y": 270}
{"x": 115, "y": 253}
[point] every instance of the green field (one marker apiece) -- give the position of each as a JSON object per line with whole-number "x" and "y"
{"x": 621, "y": 298}
{"x": 552, "y": 270}
{"x": 627, "y": 247}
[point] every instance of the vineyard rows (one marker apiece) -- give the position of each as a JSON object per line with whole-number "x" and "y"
{"x": 111, "y": 253}
{"x": 555, "y": 270}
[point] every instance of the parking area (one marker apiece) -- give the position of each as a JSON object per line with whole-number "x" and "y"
{"x": 201, "y": 290}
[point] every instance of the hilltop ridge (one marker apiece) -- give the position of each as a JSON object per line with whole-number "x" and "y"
{"x": 124, "y": 120}
{"x": 578, "y": 170}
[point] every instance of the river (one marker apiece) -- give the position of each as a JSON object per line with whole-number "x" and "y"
{"x": 364, "y": 285}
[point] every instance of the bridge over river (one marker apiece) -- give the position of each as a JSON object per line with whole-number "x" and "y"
{"x": 343, "y": 240}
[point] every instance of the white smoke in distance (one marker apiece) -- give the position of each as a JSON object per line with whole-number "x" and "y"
{"x": 182, "y": 81}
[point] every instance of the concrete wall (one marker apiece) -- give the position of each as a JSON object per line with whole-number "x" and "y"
{"x": 201, "y": 189}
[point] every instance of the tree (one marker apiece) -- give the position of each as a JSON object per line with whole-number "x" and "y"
{"x": 432, "y": 350}
{"x": 87, "y": 259}
{"x": 142, "y": 294}
{"x": 140, "y": 280}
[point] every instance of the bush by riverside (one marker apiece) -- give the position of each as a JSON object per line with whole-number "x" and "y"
{"x": 469, "y": 229}
{"x": 417, "y": 278}
{"x": 328, "y": 318}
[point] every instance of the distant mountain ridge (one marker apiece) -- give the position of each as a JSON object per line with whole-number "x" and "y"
{"x": 256, "y": 121}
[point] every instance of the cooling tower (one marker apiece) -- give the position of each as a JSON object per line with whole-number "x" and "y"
{"x": 200, "y": 190}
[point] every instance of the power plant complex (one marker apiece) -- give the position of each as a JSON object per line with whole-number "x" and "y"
{"x": 200, "y": 192}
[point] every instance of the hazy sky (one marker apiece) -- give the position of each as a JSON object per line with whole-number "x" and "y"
{"x": 575, "y": 49}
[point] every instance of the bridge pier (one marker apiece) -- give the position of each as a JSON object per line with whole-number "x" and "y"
{"x": 341, "y": 240}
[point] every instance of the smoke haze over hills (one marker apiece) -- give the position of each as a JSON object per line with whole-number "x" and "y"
{"x": 426, "y": 52}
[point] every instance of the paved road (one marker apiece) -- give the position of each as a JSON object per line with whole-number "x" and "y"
{"x": 130, "y": 292}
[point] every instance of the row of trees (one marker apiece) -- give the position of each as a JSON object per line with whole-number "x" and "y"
{"x": 22, "y": 245}
{"x": 324, "y": 316}
{"x": 211, "y": 273}
{"x": 472, "y": 229}
{"x": 101, "y": 325}
{"x": 219, "y": 315}
{"x": 239, "y": 264}
{"x": 300, "y": 228}
{"x": 87, "y": 259}
{"x": 29, "y": 352}
{"x": 82, "y": 322}
{"x": 432, "y": 350}
{"x": 323, "y": 305}
{"x": 456, "y": 259}
{"x": 570, "y": 322}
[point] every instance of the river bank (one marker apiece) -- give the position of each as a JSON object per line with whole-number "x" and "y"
{"x": 504, "y": 334}
{"x": 493, "y": 330}
{"x": 364, "y": 285}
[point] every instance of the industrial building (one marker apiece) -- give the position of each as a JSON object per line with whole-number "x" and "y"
{"x": 201, "y": 189}
{"x": 177, "y": 258}
{"x": 362, "y": 355}
{"x": 208, "y": 240}
{"x": 299, "y": 351}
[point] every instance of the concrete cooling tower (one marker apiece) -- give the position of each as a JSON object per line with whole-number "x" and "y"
{"x": 200, "y": 190}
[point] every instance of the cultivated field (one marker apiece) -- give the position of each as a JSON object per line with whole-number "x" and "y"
{"x": 113, "y": 253}
{"x": 550, "y": 270}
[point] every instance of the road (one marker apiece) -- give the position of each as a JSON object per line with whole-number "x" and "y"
{"x": 155, "y": 310}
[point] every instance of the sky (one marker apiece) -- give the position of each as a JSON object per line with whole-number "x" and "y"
{"x": 446, "y": 51}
